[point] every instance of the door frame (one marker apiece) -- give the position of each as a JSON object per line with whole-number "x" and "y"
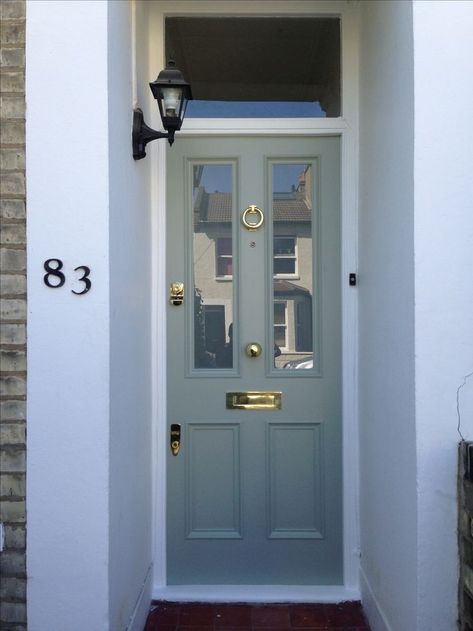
{"x": 346, "y": 127}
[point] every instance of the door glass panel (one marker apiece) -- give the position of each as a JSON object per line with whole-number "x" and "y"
{"x": 212, "y": 203}
{"x": 292, "y": 199}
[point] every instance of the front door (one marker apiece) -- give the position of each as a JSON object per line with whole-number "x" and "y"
{"x": 254, "y": 362}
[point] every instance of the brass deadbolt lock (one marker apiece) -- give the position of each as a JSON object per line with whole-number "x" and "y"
{"x": 176, "y": 293}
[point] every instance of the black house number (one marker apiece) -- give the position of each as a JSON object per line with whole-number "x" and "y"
{"x": 55, "y": 278}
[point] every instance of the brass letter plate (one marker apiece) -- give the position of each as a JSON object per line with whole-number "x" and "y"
{"x": 253, "y": 400}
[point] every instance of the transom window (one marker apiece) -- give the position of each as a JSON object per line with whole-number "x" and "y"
{"x": 251, "y": 67}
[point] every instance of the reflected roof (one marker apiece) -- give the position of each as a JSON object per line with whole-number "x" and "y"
{"x": 217, "y": 207}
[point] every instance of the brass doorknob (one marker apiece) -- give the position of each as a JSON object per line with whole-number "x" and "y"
{"x": 253, "y": 350}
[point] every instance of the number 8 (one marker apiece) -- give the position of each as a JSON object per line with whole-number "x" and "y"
{"x": 54, "y": 271}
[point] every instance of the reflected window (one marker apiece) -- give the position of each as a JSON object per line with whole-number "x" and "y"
{"x": 284, "y": 252}
{"x": 280, "y": 326}
{"x": 224, "y": 257}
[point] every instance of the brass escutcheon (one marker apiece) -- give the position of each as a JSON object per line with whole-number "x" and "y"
{"x": 175, "y": 438}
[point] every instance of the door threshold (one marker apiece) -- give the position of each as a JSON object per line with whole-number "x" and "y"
{"x": 256, "y": 593}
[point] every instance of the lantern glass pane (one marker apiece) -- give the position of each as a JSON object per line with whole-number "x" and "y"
{"x": 171, "y": 101}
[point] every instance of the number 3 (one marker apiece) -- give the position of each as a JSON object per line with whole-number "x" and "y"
{"x": 84, "y": 279}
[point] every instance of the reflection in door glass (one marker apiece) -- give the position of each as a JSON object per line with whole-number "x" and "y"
{"x": 213, "y": 265}
{"x": 292, "y": 266}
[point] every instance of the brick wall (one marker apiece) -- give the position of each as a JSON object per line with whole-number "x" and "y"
{"x": 465, "y": 494}
{"x": 13, "y": 316}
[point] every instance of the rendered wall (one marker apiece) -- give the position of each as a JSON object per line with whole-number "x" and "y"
{"x": 388, "y": 521}
{"x": 68, "y": 335}
{"x": 443, "y": 54}
{"x": 131, "y": 502}
{"x": 89, "y": 387}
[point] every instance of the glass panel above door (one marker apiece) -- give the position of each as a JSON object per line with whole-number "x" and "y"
{"x": 258, "y": 67}
{"x": 212, "y": 265}
{"x": 293, "y": 286}
{"x": 201, "y": 108}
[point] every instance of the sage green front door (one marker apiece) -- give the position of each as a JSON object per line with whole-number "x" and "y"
{"x": 254, "y": 491}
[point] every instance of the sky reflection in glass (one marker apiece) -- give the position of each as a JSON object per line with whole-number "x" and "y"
{"x": 254, "y": 109}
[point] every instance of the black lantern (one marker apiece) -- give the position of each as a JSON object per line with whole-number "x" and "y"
{"x": 172, "y": 93}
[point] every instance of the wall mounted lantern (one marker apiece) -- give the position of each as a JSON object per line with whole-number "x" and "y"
{"x": 172, "y": 93}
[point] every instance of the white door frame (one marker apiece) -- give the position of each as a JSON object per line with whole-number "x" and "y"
{"x": 347, "y": 128}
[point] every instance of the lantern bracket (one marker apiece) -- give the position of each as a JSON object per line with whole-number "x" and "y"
{"x": 142, "y": 134}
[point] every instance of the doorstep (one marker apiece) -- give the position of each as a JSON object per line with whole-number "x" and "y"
{"x": 170, "y": 616}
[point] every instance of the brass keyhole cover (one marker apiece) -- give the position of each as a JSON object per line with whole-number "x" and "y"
{"x": 252, "y": 217}
{"x": 175, "y": 438}
{"x": 253, "y": 350}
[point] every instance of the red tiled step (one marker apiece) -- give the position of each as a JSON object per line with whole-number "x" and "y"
{"x": 167, "y": 616}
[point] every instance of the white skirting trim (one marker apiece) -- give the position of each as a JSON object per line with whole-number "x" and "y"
{"x": 256, "y": 593}
{"x": 371, "y": 606}
{"x": 140, "y": 612}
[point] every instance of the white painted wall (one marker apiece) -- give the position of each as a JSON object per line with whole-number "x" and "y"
{"x": 68, "y": 335}
{"x": 443, "y": 54}
{"x": 89, "y": 500}
{"x": 130, "y": 327}
{"x": 386, "y": 317}
{"x": 416, "y": 226}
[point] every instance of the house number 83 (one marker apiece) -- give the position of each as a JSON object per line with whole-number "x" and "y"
{"x": 55, "y": 278}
